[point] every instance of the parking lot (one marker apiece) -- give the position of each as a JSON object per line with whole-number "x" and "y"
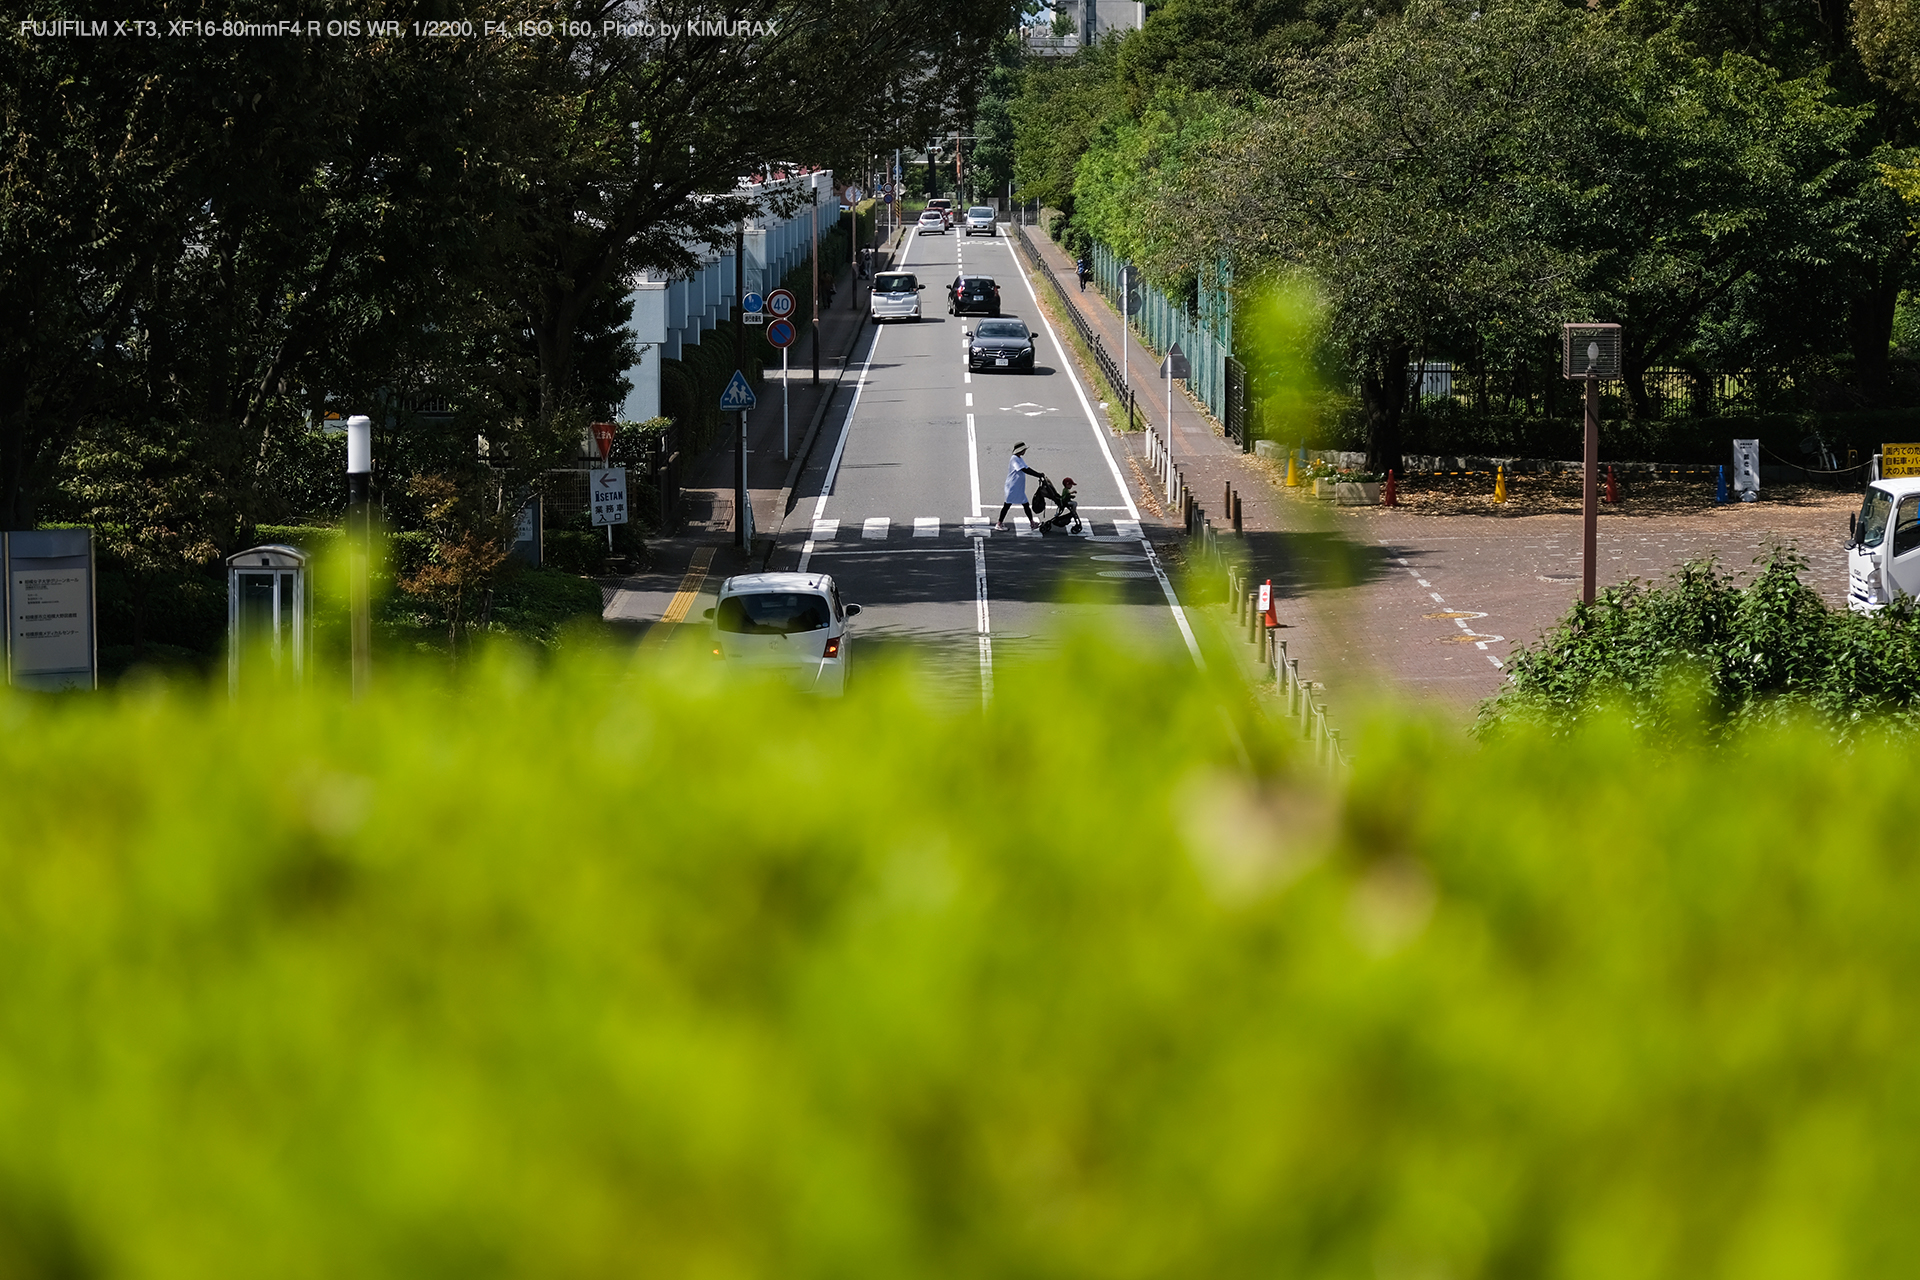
{"x": 1431, "y": 598}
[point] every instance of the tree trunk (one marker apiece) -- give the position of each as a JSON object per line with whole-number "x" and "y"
{"x": 1383, "y": 394}
{"x": 1870, "y": 329}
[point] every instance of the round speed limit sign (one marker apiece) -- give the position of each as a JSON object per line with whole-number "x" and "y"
{"x": 781, "y": 303}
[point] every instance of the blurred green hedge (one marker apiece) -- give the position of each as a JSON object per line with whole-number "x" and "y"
{"x": 595, "y": 971}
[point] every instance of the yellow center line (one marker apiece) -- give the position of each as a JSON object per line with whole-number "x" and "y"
{"x": 689, "y": 592}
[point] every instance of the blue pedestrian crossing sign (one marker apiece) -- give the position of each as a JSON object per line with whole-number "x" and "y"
{"x": 738, "y": 397}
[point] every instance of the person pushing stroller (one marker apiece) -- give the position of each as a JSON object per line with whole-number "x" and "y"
{"x": 1017, "y": 473}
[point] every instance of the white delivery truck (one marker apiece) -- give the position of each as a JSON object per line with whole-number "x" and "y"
{"x": 1883, "y": 545}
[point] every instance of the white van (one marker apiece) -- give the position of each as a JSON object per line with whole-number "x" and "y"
{"x": 793, "y": 623}
{"x": 1883, "y": 545}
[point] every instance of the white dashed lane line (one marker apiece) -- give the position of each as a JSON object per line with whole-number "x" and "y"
{"x": 1458, "y": 622}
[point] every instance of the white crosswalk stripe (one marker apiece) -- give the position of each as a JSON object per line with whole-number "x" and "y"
{"x": 881, "y": 528}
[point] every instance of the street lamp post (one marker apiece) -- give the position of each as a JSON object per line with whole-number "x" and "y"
{"x": 1590, "y": 353}
{"x": 360, "y": 549}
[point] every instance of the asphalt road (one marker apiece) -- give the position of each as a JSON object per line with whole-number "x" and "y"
{"x": 911, "y": 469}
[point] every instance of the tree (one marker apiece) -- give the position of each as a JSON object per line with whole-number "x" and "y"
{"x": 1418, "y": 175}
{"x": 1716, "y": 175}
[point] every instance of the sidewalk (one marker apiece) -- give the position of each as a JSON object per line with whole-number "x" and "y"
{"x": 701, "y": 550}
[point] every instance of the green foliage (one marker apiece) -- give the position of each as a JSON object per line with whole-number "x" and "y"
{"x": 466, "y": 979}
{"x": 1704, "y": 653}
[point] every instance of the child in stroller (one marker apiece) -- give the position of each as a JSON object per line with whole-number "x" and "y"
{"x": 1066, "y": 513}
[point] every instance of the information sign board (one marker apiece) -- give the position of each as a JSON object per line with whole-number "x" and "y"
{"x": 50, "y": 625}
{"x": 607, "y": 491}
{"x": 1899, "y": 460}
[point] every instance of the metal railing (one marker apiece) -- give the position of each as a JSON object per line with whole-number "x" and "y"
{"x": 1109, "y": 365}
{"x": 1207, "y": 551}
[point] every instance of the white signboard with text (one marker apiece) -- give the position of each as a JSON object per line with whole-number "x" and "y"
{"x": 607, "y": 494}
{"x": 50, "y": 623}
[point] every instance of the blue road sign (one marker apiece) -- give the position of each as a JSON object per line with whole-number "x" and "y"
{"x": 752, "y": 302}
{"x": 781, "y": 333}
{"x": 738, "y": 397}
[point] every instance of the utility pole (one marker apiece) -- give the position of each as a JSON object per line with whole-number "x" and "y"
{"x": 816, "y": 280}
{"x": 740, "y": 516}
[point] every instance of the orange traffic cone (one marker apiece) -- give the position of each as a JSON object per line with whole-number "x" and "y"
{"x": 1390, "y": 496}
{"x": 1500, "y": 483}
{"x": 1613, "y": 494}
{"x": 1293, "y": 477}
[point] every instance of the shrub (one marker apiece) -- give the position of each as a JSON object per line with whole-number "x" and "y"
{"x": 615, "y": 970}
{"x": 1704, "y": 651}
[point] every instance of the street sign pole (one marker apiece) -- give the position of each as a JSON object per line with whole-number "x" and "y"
{"x": 1590, "y": 491}
{"x": 785, "y": 452}
{"x": 1125, "y": 292}
{"x": 816, "y": 284}
{"x": 739, "y": 362}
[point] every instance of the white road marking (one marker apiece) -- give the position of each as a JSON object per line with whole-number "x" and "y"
{"x": 973, "y": 464}
{"x": 846, "y": 427}
{"x": 969, "y": 399}
{"x": 1436, "y": 597}
{"x": 806, "y": 554}
{"x": 1128, "y": 529}
{"x": 982, "y": 620}
{"x": 1423, "y": 582}
{"x": 1496, "y": 662}
{"x": 825, "y": 530}
{"x": 875, "y": 529}
{"x": 1023, "y": 528}
{"x": 926, "y": 526}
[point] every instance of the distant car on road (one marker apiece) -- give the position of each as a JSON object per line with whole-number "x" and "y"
{"x": 790, "y": 623}
{"x": 978, "y": 294}
{"x": 932, "y": 223}
{"x": 944, "y": 208}
{"x": 1001, "y": 344}
{"x": 980, "y": 220}
{"x": 895, "y": 296}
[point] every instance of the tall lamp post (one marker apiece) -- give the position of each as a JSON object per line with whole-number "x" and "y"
{"x": 360, "y": 549}
{"x": 1590, "y": 353}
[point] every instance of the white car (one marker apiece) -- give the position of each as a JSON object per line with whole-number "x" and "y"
{"x": 980, "y": 220}
{"x": 791, "y": 623}
{"x": 932, "y": 223}
{"x": 895, "y": 296}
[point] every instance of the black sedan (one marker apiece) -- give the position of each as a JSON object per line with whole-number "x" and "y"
{"x": 1001, "y": 344}
{"x": 978, "y": 294}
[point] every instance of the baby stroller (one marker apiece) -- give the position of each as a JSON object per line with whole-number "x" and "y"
{"x": 1066, "y": 507}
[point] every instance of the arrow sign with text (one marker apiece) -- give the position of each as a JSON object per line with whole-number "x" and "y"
{"x": 738, "y": 397}
{"x": 1175, "y": 365}
{"x": 608, "y": 493}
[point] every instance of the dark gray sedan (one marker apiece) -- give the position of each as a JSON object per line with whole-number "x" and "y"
{"x": 1001, "y": 344}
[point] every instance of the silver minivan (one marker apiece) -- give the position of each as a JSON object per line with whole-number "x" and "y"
{"x": 980, "y": 220}
{"x": 895, "y": 296}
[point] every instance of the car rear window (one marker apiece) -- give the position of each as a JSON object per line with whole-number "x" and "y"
{"x": 895, "y": 282}
{"x": 1003, "y": 329}
{"x": 773, "y": 613}
{"x": 980, "y": 211}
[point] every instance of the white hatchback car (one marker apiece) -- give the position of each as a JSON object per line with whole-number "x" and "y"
{"x": 980, "y": 220}
{"x": 932, "y": 223}
{"x": 792, "y": 623}
{"x": 895, "y": 296}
